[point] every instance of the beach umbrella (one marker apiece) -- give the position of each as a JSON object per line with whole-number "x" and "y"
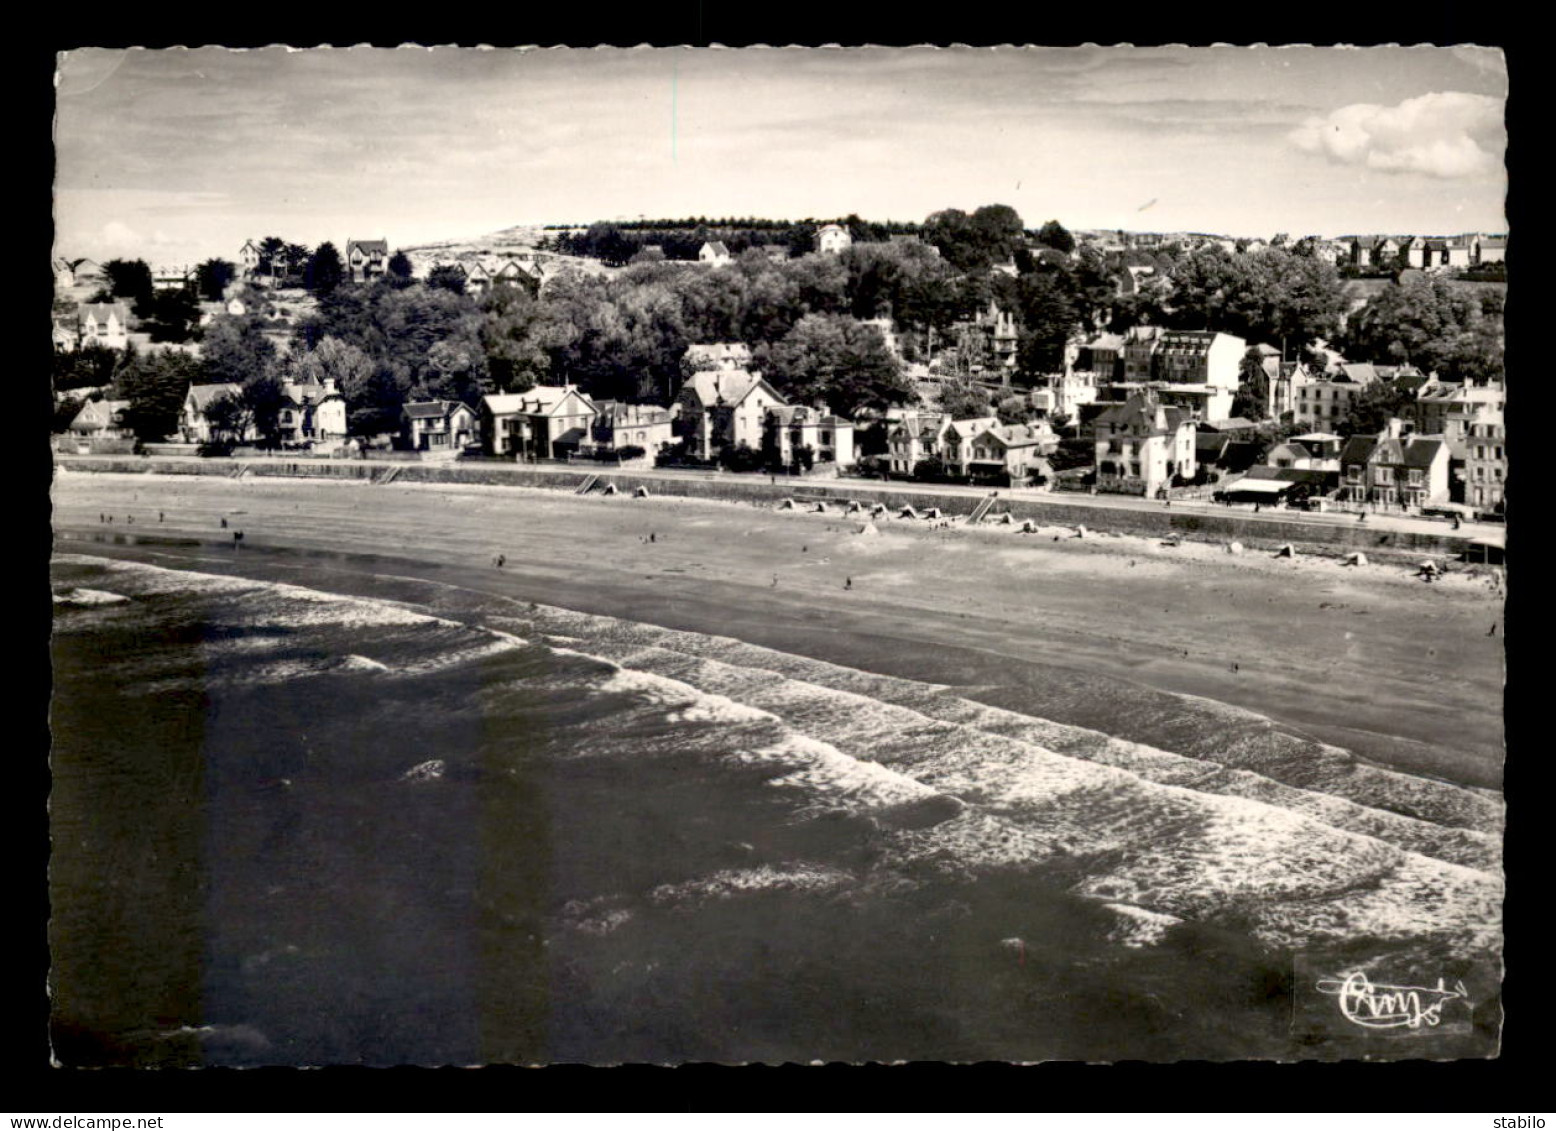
{"x": 1234, "y": 547}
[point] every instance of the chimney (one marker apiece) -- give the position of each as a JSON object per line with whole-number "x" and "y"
{"x": 1393, "y": 428}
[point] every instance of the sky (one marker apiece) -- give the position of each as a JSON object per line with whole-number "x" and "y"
{"x": 179, "y": 155}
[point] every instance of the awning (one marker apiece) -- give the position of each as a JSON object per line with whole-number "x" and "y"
{"x": 1256, "y": 487}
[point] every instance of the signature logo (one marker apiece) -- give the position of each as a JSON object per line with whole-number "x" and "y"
{"x": 1381, "y": 1006}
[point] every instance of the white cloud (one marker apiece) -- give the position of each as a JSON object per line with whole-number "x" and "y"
{"x": 1444, "y": 134}
{"x": 117, "y": 233}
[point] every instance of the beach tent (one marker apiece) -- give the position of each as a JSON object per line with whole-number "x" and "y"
{"x": 821, "y": 508}
{"x": 1355, "y": 559}
{"x": 610, "y": 489}
{"x": 854, "y": 505}
{"x": 1029, "y": 527}
{"x": 1007, "y": 519}
{"x": 1234, "y": 547}
{"x": 786, "y": 505}
{"x": 932, "y": 512}
{"x": 907, "y": 512}
{"x": 867, "y": 528}
{"x": 878, "y": 508}
{"x": 1286, "y": 551}
{"x": 640, "y": 493}
{"x": 1080, "y": 532}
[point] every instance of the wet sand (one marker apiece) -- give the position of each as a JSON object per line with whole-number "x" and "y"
{"x": 1369, "y": 658}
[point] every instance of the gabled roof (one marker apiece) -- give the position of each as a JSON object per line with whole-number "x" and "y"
{"x": 1260, "y": 472}
{"x": 542, "y": 400}
{"x": 715, "y": 246}
{"x": 1296, "y": 450}
{"x": 431, "y": 410}
{"x": 1019, "y": 435}
{"x": 967, "y": 429}
{"x": 104, "y": 309}
{"x": 203, "y": 395}
{"x": 369, "y": 247}
{"x": 1422, "y": 451}
{"x": 729, "y": 386}
{"x": 1359, "y": 373}
{"x": 1357, "y": 449}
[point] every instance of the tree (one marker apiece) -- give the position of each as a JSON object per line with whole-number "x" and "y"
{"x": 235, "y": 350}
{"x": 1430, "y": 323}
{"x": 263, "y": 398}
{"x": 1014, "y": 409}
{"x": 400, "y": 266}
{"x": 1053, "y": 234}
{"x": 155, "y": 386}
{"x": 173, "y": 315}
{"x": 213, "y": 277}
{"x": 448, "y": 277}
{"x": 228, "y": 417}
{"x": 837, "y": 359}
{"x": 964, "y": 401}
{"x": 1252, "y": 399}
{"x": 998, "y": 231}
{"x": 1371, "y": 409}
{"x": 294, "y": 261}
{"x": 1048, "y": 321}
{"x": 272, "y": 251}
{"x": 131, "y": 279}
{"x": 325, "y": 270}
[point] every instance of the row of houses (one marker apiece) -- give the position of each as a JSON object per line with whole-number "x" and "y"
{"x": 1425, "y": 252}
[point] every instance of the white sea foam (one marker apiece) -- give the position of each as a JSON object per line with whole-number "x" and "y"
{"x": 1137, "y": 927}
{"x": 89, "y": 597}
{"x": 749, "y": 881}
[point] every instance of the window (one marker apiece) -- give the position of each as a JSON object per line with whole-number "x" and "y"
{"x": 1415, "y": 477}
{"x": 1384, "y": 474}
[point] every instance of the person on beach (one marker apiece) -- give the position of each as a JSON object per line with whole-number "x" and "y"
{"x": 652, "y": 537}
{"x": 130, "y": 518}
{"x": 1492, "y": 631}
{"x": 501, "y": 561}
{"x": 775, "y": 581}
{"x": 159, "y": 516}
{"x": 237, "y": 537}
{"x": 224, "y": 524}
{"x": 1362, "y": 517}
{"x": 848, "y": 583}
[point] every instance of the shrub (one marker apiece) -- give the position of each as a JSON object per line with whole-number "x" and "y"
{"x": 215, "y": 448}
{"x": 630, "y": 451}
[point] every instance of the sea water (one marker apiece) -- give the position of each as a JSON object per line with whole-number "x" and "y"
{"x": 414, "y": 824}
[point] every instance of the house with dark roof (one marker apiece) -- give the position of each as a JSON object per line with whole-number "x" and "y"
{"x": 724, "y": 408}
{"x": 248, "y": 258}
{"x": 1011, "y": 454}
{"x": 915, "y": 437}
{"x": 1142, "y": 445}
{"x": 1264, "y": 484}
{"x": 437, "y": 426}
{"x": 1393, "y": 470}
{"x": 366, "y": 259}
{"x": 792, "y": 428}
{"x": 956, "y": 442}
{"x": 546, "y": 422}
{"x": 714, "y": 252}
{"x": 618, "y": 425}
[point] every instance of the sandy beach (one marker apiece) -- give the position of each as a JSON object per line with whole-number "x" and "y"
{"x": 1370, "y": 658}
